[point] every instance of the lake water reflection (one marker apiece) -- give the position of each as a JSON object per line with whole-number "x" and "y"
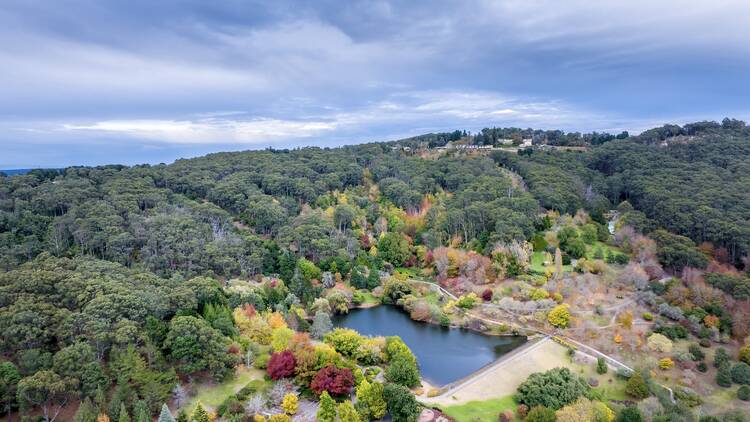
{"x": 444, "y": 354}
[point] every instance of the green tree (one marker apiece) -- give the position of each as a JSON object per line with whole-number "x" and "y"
{"x": 629, "y": 414}
{"x": 552, "y": 389}
{"x": 9, "y": 378}
{"x": 196, "y": 346}
{"x": 86, "y": 412}
{"x": 394, "y": 248}
{"x": 199, "y": 414}
{"x": 141, "y": 412}
{"x": 347, "y": 412}
{"x": 165, "y": 415}
{"x": 371, "y": 395}
{"x": 327, "y": 409}
{"x": 401, "y": 403}
{"x": 321, "y": 325}
{"x": 124, "y": 417}
{"x": 636, "y": 386}
{"x": 46, "y": 390}
{"x": 403, "y": 370}
{"x": 601, "y": 366}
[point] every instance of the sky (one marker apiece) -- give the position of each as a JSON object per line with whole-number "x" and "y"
{"x": 88, "y": 82}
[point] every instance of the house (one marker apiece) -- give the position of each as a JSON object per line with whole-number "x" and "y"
{"x": 527, "y": 143}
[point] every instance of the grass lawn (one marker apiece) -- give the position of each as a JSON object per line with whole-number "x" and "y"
{"x": 211, "y": 394}
{"x": 370, "y": 299}
{"x": 537, "y": 263}
{"x": 486, "y": 410}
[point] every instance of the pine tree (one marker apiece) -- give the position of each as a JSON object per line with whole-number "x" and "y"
{"x": 100, "y": 400}
{"x": 141, "y": 412}
{"x": 347, "y": 412}
{"x": 199, "y": 414}
{"x": 165, "y": 415}
{"x": 327, "y": 410}
{"x": 371, "y": 396}
{"x": 182, "y": 416}
{"x": 373, "y": 279}
{"x": 124, "y": 417}
{"x": 86, "y": 412}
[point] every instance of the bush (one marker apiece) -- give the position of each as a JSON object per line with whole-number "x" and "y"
{"x": 648, "y": 316}
{"x": 401, "y": 403}
{"x": 636, "y": 386}
{"x": 601, "y": 366}
{"x": 666, "y": 363}
{"x": 724, "y": 376}
{"x": 540, "y": 414}
{"x": 487, "y": 295}
{"x": 721, "y": 357}
{"x": 559, "y": 316}
{"x": 743, "y": 393}
{"x": 261, "y": 362}
{"x": 696, "y": 351}
{"x": 659, "y": 343}
{"x": 741, "y": 373}
{"x": 334, "y": 380}
{"x": 629, "y": 414}
{"x": 403, "y": 370}
{"x": 744, "y": 354}
{"x": 702, "y": 367}
{"x": 281, "y": 365}
{"x": 552, "y": 389}
{"x": 705, "y": 342}
{"x": 290, "y": 404}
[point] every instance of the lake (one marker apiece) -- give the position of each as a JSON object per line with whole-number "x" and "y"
{"x": 444, "y": 354}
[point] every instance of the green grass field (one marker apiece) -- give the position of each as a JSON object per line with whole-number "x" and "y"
{"x": 211, "y": 395}
{"x": 484, "y": 411}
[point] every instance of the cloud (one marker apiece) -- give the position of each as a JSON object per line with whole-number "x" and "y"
{"x": 326, "y": 72}
{"x": 207, "y": 131}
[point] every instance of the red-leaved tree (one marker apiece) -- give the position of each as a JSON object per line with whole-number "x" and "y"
{"x": 281, "y": 365}
{"x": 336, "y": 381}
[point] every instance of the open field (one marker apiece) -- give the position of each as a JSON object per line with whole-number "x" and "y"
{"x": 211, "y": 394}
{"x": 482, "y": 411}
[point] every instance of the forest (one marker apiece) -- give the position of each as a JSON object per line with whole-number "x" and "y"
{"x": 118, "y": 283}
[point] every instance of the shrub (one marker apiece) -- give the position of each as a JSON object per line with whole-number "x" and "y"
{"x": 290, "y": 404}
{"x": 279, "y": 418}
{"x": 702, "y": 367}
{"x": 696, "y": 351}
{"x": 721, "y": 357}
{"x": 261, "y": 362}
{"x": 687, "y": 396}
{"x": 540, "y": 414}
{"x": 743, "y": 393}
{"x": 666, "y": 363}
{"x": 559, "y": 316}
{"x": 724, "y": 376}
{"x": 629, "y": 414}
{"x": 636, "y": 386}
{"x": 704, "y": 342}
{"x": 327, "y": 408}
{"x": 601, "y": 366}
{"x": 337, "y": 381}
{"x": 552, "y": 389}
{"x": 281, "y": 365}
{"x": 401, "y": 403}
{"x": 468, "y": 301}
{"x": 648, "y": 316}
{"x": 403, "y": 370}
{"x": 487, "y": 295}
{"x": 744, "y": 354}
{"x": 741, "y": 373}
{"x": 659, "y": 343}
{"x": 344, "y": 340}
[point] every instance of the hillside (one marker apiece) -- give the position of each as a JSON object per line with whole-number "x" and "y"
{"x": 118, "y": 283}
